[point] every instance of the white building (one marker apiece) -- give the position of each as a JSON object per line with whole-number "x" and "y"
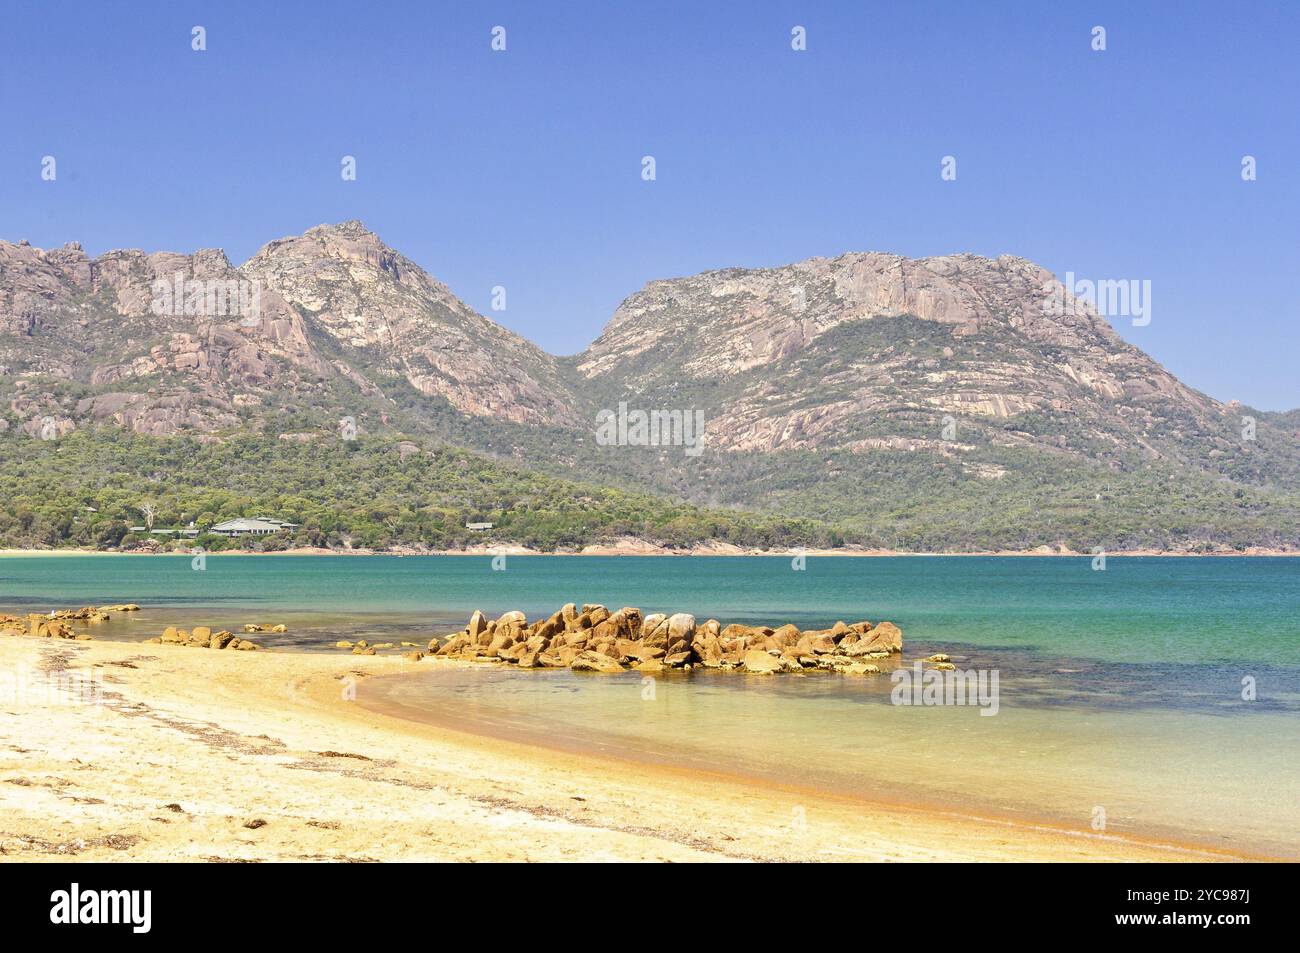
{"x": 254, "y": 526}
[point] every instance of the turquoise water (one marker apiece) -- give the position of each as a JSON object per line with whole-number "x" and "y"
{"x": 1119, "y": 690}
{"x": 1176, "y": 610}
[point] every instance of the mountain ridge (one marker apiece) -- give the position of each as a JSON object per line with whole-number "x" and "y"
{"x": 825, "y": 383}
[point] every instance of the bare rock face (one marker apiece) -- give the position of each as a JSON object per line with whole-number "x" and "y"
{"x": 168, "y": 343}
{"x": 368, "y": 297}
{"x": 803, "y": 356}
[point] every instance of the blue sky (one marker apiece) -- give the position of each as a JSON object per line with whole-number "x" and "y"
{"x": 522, "y": 168}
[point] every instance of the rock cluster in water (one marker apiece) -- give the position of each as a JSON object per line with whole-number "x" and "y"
{"x": 202, "y": 637}
{"x": 58, "y": 624}
{"x": 595, "y": 639}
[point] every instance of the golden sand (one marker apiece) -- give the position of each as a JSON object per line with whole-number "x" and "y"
{"x": 196, "y": 754}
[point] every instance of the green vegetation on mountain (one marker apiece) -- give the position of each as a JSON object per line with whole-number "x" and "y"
{"x": 90, "y": 487}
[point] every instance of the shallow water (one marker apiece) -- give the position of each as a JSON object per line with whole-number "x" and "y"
{"x": 1118, "y": 690}
{"x": 1215, "y": 774}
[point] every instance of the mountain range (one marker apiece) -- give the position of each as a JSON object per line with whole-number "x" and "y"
{"x": 916, "y": 404}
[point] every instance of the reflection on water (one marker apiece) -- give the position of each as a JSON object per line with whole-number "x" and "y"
{"x": 1068, "y": 739}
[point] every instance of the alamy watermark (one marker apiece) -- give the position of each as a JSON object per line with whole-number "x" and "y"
{"x": 933, "y": 687}
{"x": 23, "y": 685}
{"x": 653, "y": 428}
{"x": 211, "y": 297}
{"x": 1109, "y": 297}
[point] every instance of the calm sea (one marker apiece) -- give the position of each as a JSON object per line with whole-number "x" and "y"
{"x": 1160, "y": 696}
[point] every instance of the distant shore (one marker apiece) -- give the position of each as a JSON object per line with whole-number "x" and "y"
{"x": 262, "y": 756}
{"x": 641, "y": 548}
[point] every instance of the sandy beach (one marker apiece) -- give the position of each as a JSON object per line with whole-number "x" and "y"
{"x": 199, "y": 755}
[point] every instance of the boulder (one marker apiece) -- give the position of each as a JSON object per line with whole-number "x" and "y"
{"x": 54, "y": 629}
{"x": 885, "y": 637}
{"x": 650, "y": 623}
{"x": 758, "y": 662}
{"x": 861, "y": 668}
{"x": 706, "y": 646}
{"x": 643, "y": 651}
{"x": 833, "y": 662}
{"x": 512, "y": 653}
{"x": 860, "y": 647}
{"x": 594, "y": 662}
{"x": 785, "y": 636}
{"x": 457, "y": 643}
{"x": 823, "y": 645}
{"x": 477, "y": 623}
{"x": 550, "y": 627}
{"x": 221, "y": 639}
{"x": 623, "y": 624}
{"x": 681, "y": 628}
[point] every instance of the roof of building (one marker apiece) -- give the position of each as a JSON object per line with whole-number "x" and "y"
{"x": 244, "y": 525}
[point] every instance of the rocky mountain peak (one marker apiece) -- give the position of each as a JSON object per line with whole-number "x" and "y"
{"x": 868, "y": 348}
{"x": 163, "y": 341}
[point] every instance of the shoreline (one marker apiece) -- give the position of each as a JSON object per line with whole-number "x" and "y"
{"x": 795, "y": 793}
{"x": 650, "y": 550}
{"x": 190, "y": 750}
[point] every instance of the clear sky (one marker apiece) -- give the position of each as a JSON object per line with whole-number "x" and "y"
{"x": 523, "y": 168}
